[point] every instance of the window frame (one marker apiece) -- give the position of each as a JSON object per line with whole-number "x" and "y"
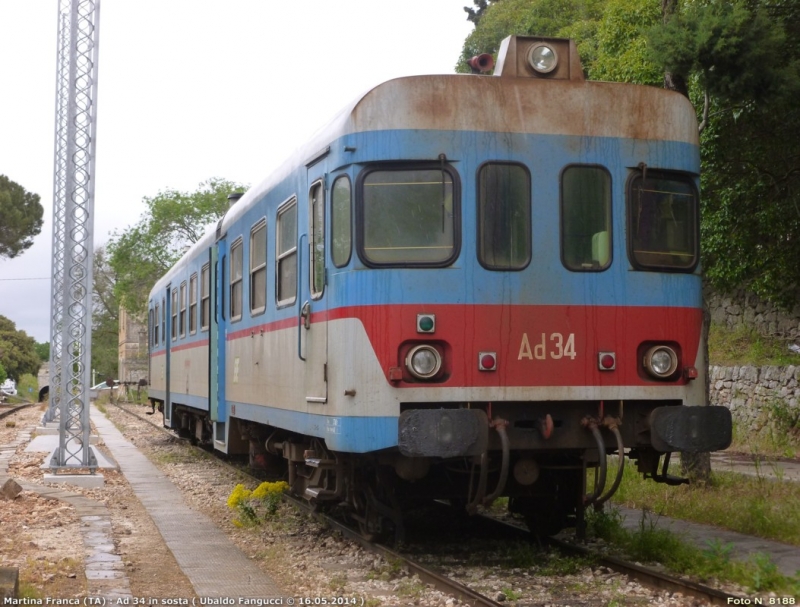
{"x": 334, "y": 226}
{"x": 174, "y": 315}
{"x": 280, "y": 257}
{"x": 409, "y": 166}
{"x": 156, "y": 322}
{"x": 610, "y": 217}
{"x": 236, "y": 282}
{"x": 684, "y": 176}
{"x": 205, "y": 281}
{"x": 193, "y": 304}
{"x": 261, "y": 224}
{"x": 313, "y": 260}
{"x": 164, "y": 338}
{"x": 479, "y": 225}
{"x": 182, "y": 309}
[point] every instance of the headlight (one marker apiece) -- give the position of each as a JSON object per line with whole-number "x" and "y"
{"x": 543, "y": 58}
{"x": 660, "y": 361}
{"x": 423, "y": 362}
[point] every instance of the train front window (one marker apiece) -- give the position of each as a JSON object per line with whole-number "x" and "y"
{"x": 585, "y": 218}
{"x": 504, "y": 216}
{"x": 662, "y": 221}
{"x": 409, "y": 217}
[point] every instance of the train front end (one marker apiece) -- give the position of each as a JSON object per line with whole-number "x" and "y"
{"x": 524, "y": 298}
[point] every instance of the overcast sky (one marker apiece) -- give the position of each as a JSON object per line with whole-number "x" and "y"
{"x": 193, "y": 89}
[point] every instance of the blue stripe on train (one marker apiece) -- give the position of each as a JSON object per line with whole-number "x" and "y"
{"x": 352, "y": 434}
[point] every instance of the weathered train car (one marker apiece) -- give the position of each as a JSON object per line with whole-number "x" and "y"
{"x": 463, "y": 287}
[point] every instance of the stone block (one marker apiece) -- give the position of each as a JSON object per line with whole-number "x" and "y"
{"x": 10, "y": 489}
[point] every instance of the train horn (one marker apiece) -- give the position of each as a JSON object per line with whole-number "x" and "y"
{"x": 481, "y": 63}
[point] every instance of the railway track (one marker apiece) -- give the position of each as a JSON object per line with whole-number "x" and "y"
{"x": 8, "y": 412}
{"x": 643, "y": 575}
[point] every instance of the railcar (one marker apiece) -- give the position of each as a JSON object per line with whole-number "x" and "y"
{"x": 464, "y": 287}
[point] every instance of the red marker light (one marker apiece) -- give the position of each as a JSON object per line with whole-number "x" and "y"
{"x": 487, "y": 361}
{"x": 607, "y": 361}
{"x": 690, "y": 372}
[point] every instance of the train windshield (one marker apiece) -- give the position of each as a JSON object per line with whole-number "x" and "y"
{"x": 662, "y": 215}
{"x": 408, "y": 217}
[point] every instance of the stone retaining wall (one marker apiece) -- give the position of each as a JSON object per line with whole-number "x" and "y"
{"x": 741, "y": 308}
{"x": 761, "y": 399}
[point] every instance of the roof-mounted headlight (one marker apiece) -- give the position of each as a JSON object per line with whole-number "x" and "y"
{"x": 543, "y": 58}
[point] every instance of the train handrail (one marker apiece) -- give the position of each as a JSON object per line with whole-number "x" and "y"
{"x": 305, "y": 306}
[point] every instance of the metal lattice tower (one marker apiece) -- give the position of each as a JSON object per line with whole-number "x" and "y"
{"x": 73, "y": 218}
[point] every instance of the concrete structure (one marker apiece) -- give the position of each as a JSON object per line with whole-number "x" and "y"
{"x": 132, "y": 348}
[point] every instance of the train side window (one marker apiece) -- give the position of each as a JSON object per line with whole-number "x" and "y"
{"x": 585, "y": 218}
{"x": 504, "y": 216}
{"x": 341, "y": 231}
{"x": 237, "y": 262}
{"x": 258, "y": 268}
{"x": 174, "y": 314}
{"x": 409, "y": 216}
{"x": 286, "y": 242}
{"x": 662, "y": 221}
{"x": 164, "y": 320}
{"x": 205, "y": 297}
{"x": 316, "y": 206}
{"x": 182, "y": 317}
{"x": 193, "y": 304}
{"x": 156, "y": 319}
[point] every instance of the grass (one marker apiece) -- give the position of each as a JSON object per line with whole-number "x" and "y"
{"x": 649, "y": 543}
{"x": 745, "y": 346}
{"x": 752, "y": 505}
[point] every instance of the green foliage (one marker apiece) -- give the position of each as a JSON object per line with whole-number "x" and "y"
{"x": 735, "y": 49}
{"x": 173, "y": 221}
{"x": 650, "y": 543}
{"x": 621, "y": 53}
{"x": 43, "y": 351}
{"x": 105, "y": 318}
{"x": 3, "y": 374}
{"x": 28, "y": 386}
{"x": 17, "y": 351}
{"x": 20, "y": 218}
{"x": 745, "y": 346}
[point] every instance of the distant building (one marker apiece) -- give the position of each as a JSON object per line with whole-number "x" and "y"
{"x": 132, "y": 348}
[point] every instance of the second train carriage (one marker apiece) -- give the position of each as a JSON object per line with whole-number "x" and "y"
{"x": 463, "y": 287}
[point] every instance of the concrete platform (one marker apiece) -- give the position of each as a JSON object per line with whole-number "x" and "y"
{"x": 214, "y": 565}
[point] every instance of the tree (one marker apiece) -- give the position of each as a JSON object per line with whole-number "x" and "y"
{"x": 20, "y": 218}
{"x": 3, "y": 374}
{"x": 173, "y": 221}
{"x": 17, "y": 351}
{"x": 475, "y": 14}
{"x": 105, "y": 318}
{"x": 43, "y": 350}
{"x": 742, "y": 60}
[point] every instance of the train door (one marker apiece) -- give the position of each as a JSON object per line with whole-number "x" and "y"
{"x": 313, "y": 315}
{"x": 167, "y": 330}
{"x": 220, "y": 318}
{"x": 213, "y": 333}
